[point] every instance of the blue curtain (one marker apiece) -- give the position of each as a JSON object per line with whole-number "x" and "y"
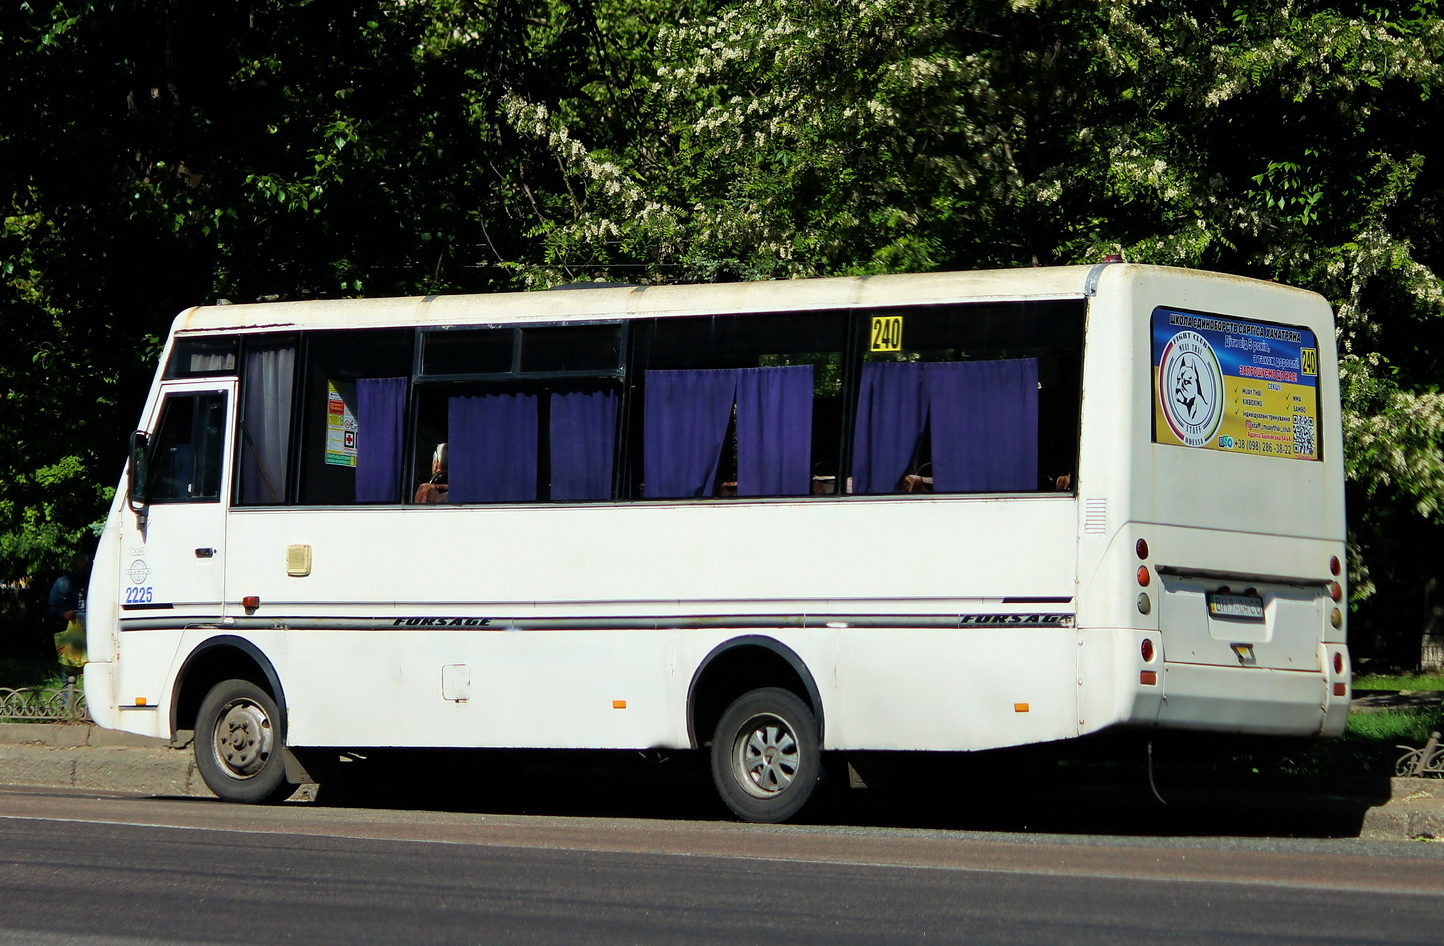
{"x": 892, "y": 407}
{"x": 684, "y": 425}
{"x": 774, "y": 431}
{"x": 493, "y": 448}
{"x": 984, "y": 425}
{"x": 380, "y": 411}
{"x": 583, "y": 431}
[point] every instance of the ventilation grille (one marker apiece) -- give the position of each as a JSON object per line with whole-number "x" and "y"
{"x": 1095, "y": 516}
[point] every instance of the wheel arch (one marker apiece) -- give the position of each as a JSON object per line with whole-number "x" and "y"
{"x": 737, "y": 666}
{"x": 221, "y": 658}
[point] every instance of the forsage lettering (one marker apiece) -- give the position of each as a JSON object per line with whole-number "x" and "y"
{"x": 441, "y": 622}
{"x": 994, "y": 620}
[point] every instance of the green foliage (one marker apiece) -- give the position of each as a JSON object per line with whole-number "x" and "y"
{"x": 1393, "y": 727}
{"x": 159, "y": 153}
{"x": 156, "y": 154}
{"x": 1416, "y": 681}
{"x": 29, "y": 672}
{"x": 796, "y": 138}
{"x": 1370, "y": 746}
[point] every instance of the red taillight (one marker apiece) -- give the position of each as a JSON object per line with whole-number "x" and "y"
{"x": 1338, "y": 662}
{"x": 1142, "y": 548}
{"x": 1146, "y": 650}
{"x": 1143, "y": 576}
{"x": 1334, "y": 566}
{"x": 1148, "y": 678}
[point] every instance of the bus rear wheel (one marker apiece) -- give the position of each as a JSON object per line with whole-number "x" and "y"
{"x": 766, "y": 757}
{"x": 240, "y": 744}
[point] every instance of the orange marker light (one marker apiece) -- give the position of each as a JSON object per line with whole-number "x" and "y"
{"x": 1143, "y": 577}
{"x": 1341, "y": 689}
{"x": 251, "y": 602}
{"x": 619, "y": 704}
{"x": 1020, "y": 707}
{"x": 1148, "y": 678}
{"x": 140, "y": 701}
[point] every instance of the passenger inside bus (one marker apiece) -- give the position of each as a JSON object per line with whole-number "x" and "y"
{"x": 434, "y": 490}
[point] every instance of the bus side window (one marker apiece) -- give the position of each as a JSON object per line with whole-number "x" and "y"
{"x": 267, "y": 386}
{"x": 976, "y": 398}
{"x": 353, "y": 396}
{"x": 737, "y": 406}
{"x": 186, "y": 457}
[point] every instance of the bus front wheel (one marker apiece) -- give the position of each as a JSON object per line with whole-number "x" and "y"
{"x": 766, "y": 756}
{"x": 240, "y": 744}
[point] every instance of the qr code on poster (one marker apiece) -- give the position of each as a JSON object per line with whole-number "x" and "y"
{"x": 1303, "y": 435}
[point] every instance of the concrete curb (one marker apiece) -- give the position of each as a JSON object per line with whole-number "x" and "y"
{"x": 1415, "y": 810}
{"x": 76, "y": 735}
{"x": 88, "y": 757}
{"x": 78, "y": 756}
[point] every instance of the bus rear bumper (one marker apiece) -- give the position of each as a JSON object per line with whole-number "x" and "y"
{"x": 1252, "y": 700}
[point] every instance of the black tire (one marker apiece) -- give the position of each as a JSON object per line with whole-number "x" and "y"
{"x": 240, "y": 744}
{"x": 766, "y": 757}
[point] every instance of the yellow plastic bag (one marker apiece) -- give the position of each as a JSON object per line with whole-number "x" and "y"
{"x": 70, "y": 645}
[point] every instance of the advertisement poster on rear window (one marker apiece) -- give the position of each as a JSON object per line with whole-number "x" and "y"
{"x": 1235, "y": 384}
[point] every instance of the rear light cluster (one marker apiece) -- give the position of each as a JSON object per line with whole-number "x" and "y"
{"x": 1144, "y": 578}
{"x": 1336, "y": 619}
{"x": 1148, "y": 678}
{"x": 1336, "y": 592}
{"x": 1340, "y": 687}
{"x": 1146, "y": 649}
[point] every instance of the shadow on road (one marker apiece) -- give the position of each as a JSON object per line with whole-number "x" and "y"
{"x": 1008, "y": 792}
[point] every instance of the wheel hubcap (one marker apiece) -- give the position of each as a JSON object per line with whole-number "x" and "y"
{"x": 765, "y": 757}
{"x": 243, "y": 738}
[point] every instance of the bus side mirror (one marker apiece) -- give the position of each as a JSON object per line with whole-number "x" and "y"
{"x": 136, "y": 487}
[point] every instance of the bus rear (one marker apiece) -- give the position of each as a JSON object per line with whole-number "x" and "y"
{"x": 1211, "y": 537}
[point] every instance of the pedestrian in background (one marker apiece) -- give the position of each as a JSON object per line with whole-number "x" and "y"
{"x": 65, "y": 612}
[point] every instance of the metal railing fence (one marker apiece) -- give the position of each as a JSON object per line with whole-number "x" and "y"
{"x": 64, "y": 704}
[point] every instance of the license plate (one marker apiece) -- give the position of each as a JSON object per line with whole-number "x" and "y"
{"x": 1237, "y": 607}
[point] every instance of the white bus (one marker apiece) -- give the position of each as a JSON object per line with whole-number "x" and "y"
{"x": 946, "y": 513}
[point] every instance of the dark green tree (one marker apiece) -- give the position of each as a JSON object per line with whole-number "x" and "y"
{"x": 156, "y": 154}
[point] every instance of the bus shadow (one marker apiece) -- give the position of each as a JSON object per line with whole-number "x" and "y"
{"x": 1011, "y": 792}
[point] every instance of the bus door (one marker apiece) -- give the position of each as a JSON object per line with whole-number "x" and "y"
{"x": 173, "y": 567}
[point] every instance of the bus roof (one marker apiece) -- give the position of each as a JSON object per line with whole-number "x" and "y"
{"x": 591, "y": 304}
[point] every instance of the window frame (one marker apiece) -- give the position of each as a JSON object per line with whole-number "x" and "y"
{"x": 1066, "y": 346}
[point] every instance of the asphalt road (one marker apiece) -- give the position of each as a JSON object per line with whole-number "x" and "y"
{"x": 106, "y": 869}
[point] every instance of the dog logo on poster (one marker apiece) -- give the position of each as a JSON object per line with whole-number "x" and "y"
{"x": 1190, "y": 388}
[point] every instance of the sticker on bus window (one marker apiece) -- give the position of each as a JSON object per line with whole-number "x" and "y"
{"x": 887, "y": 333}
{"x": 1235, "y": 385}
{"x": 340, "y": 423}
